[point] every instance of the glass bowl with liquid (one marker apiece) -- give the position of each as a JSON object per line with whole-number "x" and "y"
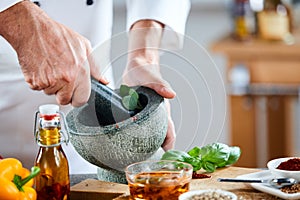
{"x": 160, "y": 179}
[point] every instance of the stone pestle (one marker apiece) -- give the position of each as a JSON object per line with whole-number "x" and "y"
{"x": 107, "y": 104}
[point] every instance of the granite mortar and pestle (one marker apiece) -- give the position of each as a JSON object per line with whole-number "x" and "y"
{"x": 109, "y": 136}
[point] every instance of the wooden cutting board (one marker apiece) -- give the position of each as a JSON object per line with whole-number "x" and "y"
{"x": 95, "y": 189}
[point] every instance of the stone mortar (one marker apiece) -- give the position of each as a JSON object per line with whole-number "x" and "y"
{"x": 113, "y": 147}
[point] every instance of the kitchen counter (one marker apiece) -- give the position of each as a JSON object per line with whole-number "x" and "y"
{"x": 77, "y": 178}
{"x": 95, "y": 189}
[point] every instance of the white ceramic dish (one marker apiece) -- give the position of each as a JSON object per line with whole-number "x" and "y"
{"x": 278, "y": 173}
{"x": 189, "y": 194}
{"x": 263, "y": 187}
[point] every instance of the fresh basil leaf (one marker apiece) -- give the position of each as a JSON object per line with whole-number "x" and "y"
{"x": 194, "y": 152}
{"x": 183, "y": 157}
{"x": 197, "y": 167}
{"x": 129, "y": 102}
{"x": 209, "y": 157}
{"x": 208, "y": 166}
{"x": 133, "y": 93}
{"x": 221, "y": 164}
{"x": 125, "y": 102}
{"x": 175, "y": 155}
{"x": 130, "y": 98}
{"x": 235, "y": 153}
{"x": 195, "y": 162}
{"x": 124, "y": 90}
{"x": 205, "y": 150}
{"x": 216, "y": 153}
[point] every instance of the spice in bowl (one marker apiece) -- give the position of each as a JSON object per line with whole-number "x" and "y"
{"x": 292, "y": 164}
{"x": 287, "y": 167}
{"x": 213, "y": 194}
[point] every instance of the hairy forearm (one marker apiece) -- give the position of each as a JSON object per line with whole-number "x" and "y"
{"x": 15, "y": 22}
{"x": 144, "y": 40}
{"x": 53, "y": 58}
{"x": 11, "y": 20}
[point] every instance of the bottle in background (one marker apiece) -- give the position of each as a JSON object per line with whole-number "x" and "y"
{"x": 244, "y": 20}
{"x": 275, "y": 21}
{"x": 53, "y": 182}
{"x": 296, "y": 13}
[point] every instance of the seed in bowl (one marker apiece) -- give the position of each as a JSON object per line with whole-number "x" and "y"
{"x": 291, "y": 189}
{"x": 211, "y": 195}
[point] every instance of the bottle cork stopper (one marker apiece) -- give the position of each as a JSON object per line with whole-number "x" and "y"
{"x": 48, "y": 109}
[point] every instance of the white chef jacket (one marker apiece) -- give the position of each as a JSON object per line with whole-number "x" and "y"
{"x": 18, "y": 102}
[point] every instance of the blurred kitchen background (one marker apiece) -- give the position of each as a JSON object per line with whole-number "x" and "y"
{"x": 217, "y": 99}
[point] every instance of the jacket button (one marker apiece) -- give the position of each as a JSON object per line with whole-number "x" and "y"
{"x": 37, "y": 3}
{"x": 89, "y": 2}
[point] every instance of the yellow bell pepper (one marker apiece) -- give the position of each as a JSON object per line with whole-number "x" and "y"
{"x": 15, "y": 181}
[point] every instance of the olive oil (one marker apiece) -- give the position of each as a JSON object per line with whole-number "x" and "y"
{"x": 160, "y": 185}
{"x": 53, "y": 182}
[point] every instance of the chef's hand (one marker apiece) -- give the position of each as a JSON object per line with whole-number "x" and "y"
{"x": 143, "y": 67}
{"x": 148, "y": 75}
{"x": 53, "y": 58}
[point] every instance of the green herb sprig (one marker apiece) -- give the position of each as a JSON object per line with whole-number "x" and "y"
{"x": 209, "y": 157}
{"x": 130, "y": 98}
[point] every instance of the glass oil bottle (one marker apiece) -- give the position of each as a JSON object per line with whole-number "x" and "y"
{"x": 53, "y": 182}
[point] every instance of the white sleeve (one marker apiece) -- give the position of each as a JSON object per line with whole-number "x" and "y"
{"x": 172, "y": 13}
{"x": 4, "y": 4}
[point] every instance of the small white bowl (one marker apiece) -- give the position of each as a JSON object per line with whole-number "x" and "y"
{"x": 279, "y": 173}
{"x": 189, "y": 194}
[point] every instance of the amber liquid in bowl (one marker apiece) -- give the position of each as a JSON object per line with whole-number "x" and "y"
{"x": 158, "y": 185}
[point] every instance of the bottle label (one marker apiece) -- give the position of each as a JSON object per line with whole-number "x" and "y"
{"x": 55, "y": 122}
{"x": 49, "y": 134}
{"x": 273, "y": 25}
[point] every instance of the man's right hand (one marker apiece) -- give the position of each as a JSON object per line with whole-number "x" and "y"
{"x": 53, "y": 58}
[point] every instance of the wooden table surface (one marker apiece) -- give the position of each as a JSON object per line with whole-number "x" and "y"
{"x": 95, "y": 189}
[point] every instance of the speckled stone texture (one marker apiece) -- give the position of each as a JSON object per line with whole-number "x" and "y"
{"x": 112, "y": 175}
{"x": 113, "y": 147}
